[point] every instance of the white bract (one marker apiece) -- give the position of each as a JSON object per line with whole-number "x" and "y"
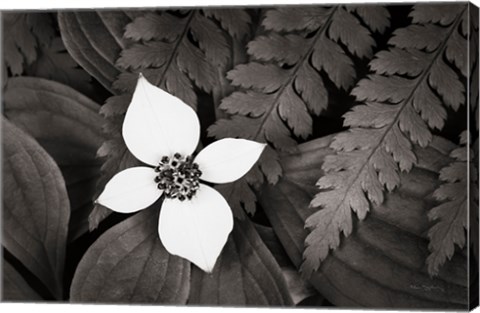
{"x": 163, "y": 132}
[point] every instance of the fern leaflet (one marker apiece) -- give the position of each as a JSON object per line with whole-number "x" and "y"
{"x": 451, "y": 215}
{"x": 282, "y": 86}
{"x": 24, "y": 34}
{"x": 402, "y": 101}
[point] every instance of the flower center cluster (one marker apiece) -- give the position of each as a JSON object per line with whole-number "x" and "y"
{"x": 178, "y": 177}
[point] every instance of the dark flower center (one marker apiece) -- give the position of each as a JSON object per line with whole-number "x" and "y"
{"x": 178, "y": 177}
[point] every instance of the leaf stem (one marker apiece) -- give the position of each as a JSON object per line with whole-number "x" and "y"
{"x": 238, "y": 56}
{"x": 175, "y": 48}
{"x": 275, "y": 102}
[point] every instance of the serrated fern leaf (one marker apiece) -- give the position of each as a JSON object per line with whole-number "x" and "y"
{"x": 451, "y": 214}
{"x": 175, "y": 50}
{"x": 274, "y": 104}
{"x": 236, "y": 22}
{"x": 277, "y": 101}
{"x": 402, "y": 101}
{"x": 375, "y": 17}
{"x": 23, "y": 33}
{"x": 240, "y": 195}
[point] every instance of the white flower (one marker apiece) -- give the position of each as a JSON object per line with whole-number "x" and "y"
{"x": 163, "y": 132}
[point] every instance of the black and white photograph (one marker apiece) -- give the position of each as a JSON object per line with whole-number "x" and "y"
{"x": 300, "y": 156}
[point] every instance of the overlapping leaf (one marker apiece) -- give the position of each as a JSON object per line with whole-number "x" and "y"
{"x": 35, "y": 208}
{"x": 95, "y": 39}
{"x": 451, "y": 215}
{"x": 129, "y": 264}
{"x": 14, "y": 286}
{"x": 245, "y": 274}
{"x": 299, "y": 288}
{"x": 413, "y": 82}
{"x": 284, "y": 84}
{"x": 72, "y": 137}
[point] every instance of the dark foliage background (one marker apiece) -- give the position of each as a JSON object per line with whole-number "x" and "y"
{"x": 311, "y": 82}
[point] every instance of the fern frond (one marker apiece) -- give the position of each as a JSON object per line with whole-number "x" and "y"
{"x": 275, "y": 102}
{"x": 451, "y": 215}
{"x": 235, "y": 22}
{"x": 176, "y": 50}
{"x": 375, "y": 17}
{"x": 24, "y": 33}
{"x": 278, "y": 101}
{"x": 402, "y": 100}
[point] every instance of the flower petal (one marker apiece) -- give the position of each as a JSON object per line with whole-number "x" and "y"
{"x": 196, "y": 229}
{"x": 130, "y": 190}
{"x": 227, "y": 160}
{"x": 159, "y": 124}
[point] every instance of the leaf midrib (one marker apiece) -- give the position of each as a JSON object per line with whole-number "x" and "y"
{"x": 404, "y": 104}
{"x": 176, "y": 47}
{"x": 275, "y": 102}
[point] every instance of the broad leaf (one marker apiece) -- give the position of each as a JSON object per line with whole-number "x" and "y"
{"x": 402, "y": 100}
{"x": 68, "y": 127}
{"x": 14, "y": 286}
{"x": 128, "y": 264}
{"x": 95, "y": 40}
{"x": 382, "y": 263}
{"x": 246, "y": 274}
{"x": 298, "y": 287}
{"x": 35, "y": 208}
